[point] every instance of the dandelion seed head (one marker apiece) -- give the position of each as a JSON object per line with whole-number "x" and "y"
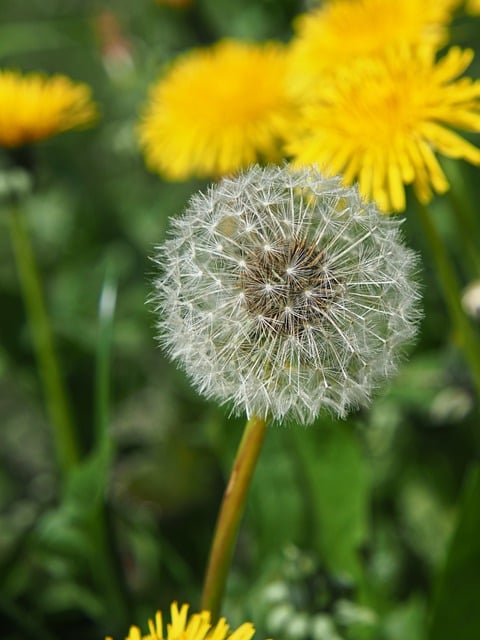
{"x": 304, "y": 299}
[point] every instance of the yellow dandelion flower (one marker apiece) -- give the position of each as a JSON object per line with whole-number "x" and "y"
{"x": 381, "y": 122}
{"x": 34, "y": 107}
{"x": 473, "y": 7}
{"x": 341, "y": 31}
{"x": 196, "y": 627}
{"x": 216, "y": 110}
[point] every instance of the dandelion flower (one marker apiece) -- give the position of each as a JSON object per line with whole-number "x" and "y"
{"x": 473, "y": 7}
{"x": 282, "y": 292}
{"x": 196, "y": 627}
{"x": 342, "y": 31}
{"x": 381, "y": 122}
{"x": 216, "y": 110}
{"x": 34, "y": 107}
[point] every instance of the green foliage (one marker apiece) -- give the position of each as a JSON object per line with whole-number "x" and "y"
{"x": 362, "y": 530}
{"x": 336, "y": 483}
{"x": 455, "y": 611}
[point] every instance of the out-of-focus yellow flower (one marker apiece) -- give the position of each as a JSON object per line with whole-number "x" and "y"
{"x": 382, "y": 120}
{"x": 34, "y": 106}
{"x": 473, "y": 7}
{"x": 216, "y": 110}
{"x": 342, "y": 31}
{"x": 195, "y": 627}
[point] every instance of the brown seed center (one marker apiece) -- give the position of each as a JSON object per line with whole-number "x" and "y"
{"x": 289, "y": 286}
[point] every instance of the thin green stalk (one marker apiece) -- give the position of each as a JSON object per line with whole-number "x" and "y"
{"x": 468, "y": 234}
{"x": 53, "y": 385}
{"x": 230, "y": 515}
{"x": 108, "y": 566}
{"x": 465, "y": 213}
{"x": 106, "y": 312}
{"x": 447, "y": 278}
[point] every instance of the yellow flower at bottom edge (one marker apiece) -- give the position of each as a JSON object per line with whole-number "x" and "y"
{"x": 195, "y": 627}
{"x": 341, "y": 31}
{"x": 216, "y": 110}
{"x": 34, "y": 106}
{"x": 381, "y": 121}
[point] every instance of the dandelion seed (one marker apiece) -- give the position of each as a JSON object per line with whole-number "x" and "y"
{"x": 316, "y": 321}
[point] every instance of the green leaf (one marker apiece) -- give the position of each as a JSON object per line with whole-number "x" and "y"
{"x": 311, "y": 488}
{"x": 275, "y": 505}
{"x": 70, "y": 528}
{"x": 337, "y": 493}
{"x": 407, "y": 620}
{"x": 456, "y": 612}
{"x": 28, "y": 36}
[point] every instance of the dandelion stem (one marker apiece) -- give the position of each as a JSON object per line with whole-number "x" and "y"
{"x": 48, "y": 367}
{"x": 465, "y": 335}
{"x": 230, "y": 515}
{"x": 107, "y": 566}
{"x": 467, "y": 224}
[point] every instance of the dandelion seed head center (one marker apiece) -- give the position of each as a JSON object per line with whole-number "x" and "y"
{"x": 289, "y": 287}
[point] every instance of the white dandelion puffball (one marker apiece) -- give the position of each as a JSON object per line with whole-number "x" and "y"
{"x": 282, "y": 292}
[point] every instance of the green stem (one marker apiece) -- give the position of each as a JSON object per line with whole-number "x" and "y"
{"x": 465, "y": 334}
{"x": 108, "y": 567}
{"x": 53, "y": 385}
{"x": 230, "y": 515}
{"x": 106, "y": 314}
{"x": 465, "y": 214}
{"x": 468, "y": 234}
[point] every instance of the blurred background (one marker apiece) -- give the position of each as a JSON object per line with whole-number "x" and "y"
{"x": 367, "y": 528}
